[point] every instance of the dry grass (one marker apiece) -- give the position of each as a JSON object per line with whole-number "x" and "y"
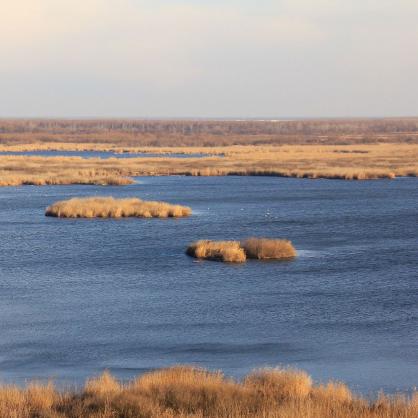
{"x": 116, "y": 148}
{"x": 268, "y": 249}
{"x": 227, "y": 251}
{"x": 108, "y": 207}
{"x": 347, "y": 162}
{"x": 102, "y": 385}
{"x": 65, "y": 177}
{"x": 236, "y": 252}
{"x": 285, "y": 382}
{"x": 192, "y": 392}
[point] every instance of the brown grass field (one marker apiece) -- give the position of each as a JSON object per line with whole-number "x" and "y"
{"x": 108, "y": 207}
{"x": 196, "y": 393}
{"x": 237, "y": 252}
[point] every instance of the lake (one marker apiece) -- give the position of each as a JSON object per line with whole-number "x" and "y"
{"x": 78, "y": 296}
{"x": 101, "y": 154}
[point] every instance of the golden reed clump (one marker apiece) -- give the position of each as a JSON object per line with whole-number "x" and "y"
{"x": 269, "y": 249}
{"x": 108, "y": 207}
{"x": 236, "y": 252}
{"x": 227, "y": 251}
{"x": 189, "y": 392}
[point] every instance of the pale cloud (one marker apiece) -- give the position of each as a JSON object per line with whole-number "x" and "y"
{"x": 152, "y": 58}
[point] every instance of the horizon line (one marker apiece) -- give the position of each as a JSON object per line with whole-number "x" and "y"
{"x": 206, "y": 118}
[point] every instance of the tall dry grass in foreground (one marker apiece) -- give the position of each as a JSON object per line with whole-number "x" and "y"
{"x": 191, "y": 392}
{"x": 108, "y": 207}
{"x": 236, "y": 252}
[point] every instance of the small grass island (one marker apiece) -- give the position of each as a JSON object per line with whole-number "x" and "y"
{"x": 238, "y": 252}
{"x": 109, "y": 207}
{"x": 227, "y": 251}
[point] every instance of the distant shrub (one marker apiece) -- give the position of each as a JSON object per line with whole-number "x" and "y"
{"x": 108, "y": 207}
{"x": 268, "y": 249}
{"x": 228, "y": 251}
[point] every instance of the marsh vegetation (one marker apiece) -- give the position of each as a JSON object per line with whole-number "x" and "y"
{"x": 237, "y": 252}
{"x": 227, "y": 251}
{"x": 269, "y": 249}
{"x": 349, "y": 149}
{"x": 108, "y": 207}
{"x": 349, "y": 162}
{"x": 192, "y": 392}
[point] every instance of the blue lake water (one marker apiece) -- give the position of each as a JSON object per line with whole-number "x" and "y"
{"x": 78, "y": 296}
{"x": 100, "y": 154}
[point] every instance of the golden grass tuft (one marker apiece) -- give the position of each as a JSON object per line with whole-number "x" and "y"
{"x": 35, "y": 401}
{"x": 41, "y": 397}
{"x": 177, "y": 375}
{"x": 227, "y": 251}
{"x": 13, "y": 402}
{"x": 269, "y": 249}
{"x": 284, "y": 383}
{"x": 333, "y": 392}
{"x": 186, "y": 392}
{"x": 108, "y": 207}
{"x": 236, "y": 252}
{"x": 102, "y": 385}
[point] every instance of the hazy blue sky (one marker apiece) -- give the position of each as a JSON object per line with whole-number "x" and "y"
{"x": 210, "y": 58}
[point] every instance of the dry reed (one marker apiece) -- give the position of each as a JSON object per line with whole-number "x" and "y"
{"x": 188, "y": 392}
{"x": 227, "y": 251}
{"x": 236, "y": 252}
{"x": 108, "y": 207}
{"x": 268, "y": 249}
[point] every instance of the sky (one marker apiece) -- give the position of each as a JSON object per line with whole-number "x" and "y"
{"x": 208, "y": 58}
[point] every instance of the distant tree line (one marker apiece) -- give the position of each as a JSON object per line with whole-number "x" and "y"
{"x": 210, "y": 132}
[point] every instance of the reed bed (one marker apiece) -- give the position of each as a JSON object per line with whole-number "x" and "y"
{"x": 116, "y": 148}
{"x": 227, "y": 251}
{"x": 109, "y": 207}
{"x": 359, "y": 162}
{"x": 187, "y": 392}
{"x": 62, "y": 180}
{"x": 237, "y": 252}
{"x": 269, "y": 249}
